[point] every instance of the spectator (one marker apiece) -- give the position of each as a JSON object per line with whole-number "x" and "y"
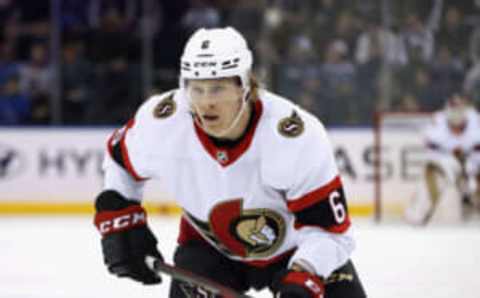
{"x": 294, "y": 13}
{"x": 247, "y": 17}
{"x": 7, "y": 11}
{"x": 36, "y": 81}
{"x": 338, "y": 73}
{"x": 325, "y": 14}
{"x": 418, "y": 39}
{"x": 117, "y": 93}
{"x": 77, "y": 84}
{"x": 424, "y": 91}
{"x": 8, "y": 66}
{"x": 112, "y": 39}
{"x": 380, "y": 53}
{"x": 74, "y": 18}
{"x": 418, "y": 34}
{"x": 286, "y": 20}
{"x": 10, "y": 38}
{"x": 347, "y": 28}
{"x": 471, "y": 84}
{"x": 14, "y": 106}
{"x": 378, "y": 42}
{"x": 36, "y": 75}
{"x": 201, "y": 15}
{"x": 447, "y": 72}
{"x": 368, "y": 96}
{"x": 300, "y": 67}
{"x": 455, "y": 34}
{"x": 128, "y": 11}
{"x": 8, "y": 15}
{"x": 32, "y": 22}
{"x": 365, "y": 7}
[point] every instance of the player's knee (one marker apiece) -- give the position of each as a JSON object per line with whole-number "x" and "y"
{"x": 432, "y": 169}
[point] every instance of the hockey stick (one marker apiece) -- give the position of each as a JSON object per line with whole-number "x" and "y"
{"x": 192, "y": 278}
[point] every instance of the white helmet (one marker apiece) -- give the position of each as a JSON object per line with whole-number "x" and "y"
{"x": 216, "y": 53}
{"x": 456, "y": 109}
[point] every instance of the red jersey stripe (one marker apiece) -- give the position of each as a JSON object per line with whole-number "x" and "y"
{"x": 125, "y": 155}
{"x": 314, "y": 196}
{"x": 119, "y": 137}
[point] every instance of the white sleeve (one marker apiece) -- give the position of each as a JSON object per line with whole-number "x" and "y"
{"x": 126, "y": 163}
{"x": 315, "y": 165}
{"x": 116, "y": 178}
{"x": 317, "y": 199}
{"x": 473, "y": 158}
{"x": 325, "y": 252}
{"x": 122, "y": 161}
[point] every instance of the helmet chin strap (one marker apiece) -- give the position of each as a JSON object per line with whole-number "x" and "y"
{"x": 199, "y": 119}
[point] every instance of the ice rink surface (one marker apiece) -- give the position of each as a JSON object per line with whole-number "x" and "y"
{"x": 53, "y": 257}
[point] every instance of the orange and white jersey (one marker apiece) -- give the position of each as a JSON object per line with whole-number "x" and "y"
{"x": 275, "y": 192}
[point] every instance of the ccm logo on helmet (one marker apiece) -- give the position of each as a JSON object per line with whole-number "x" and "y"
{"x": 122, "y": 222}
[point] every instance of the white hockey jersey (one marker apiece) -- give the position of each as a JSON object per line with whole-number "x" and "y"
{"x": 442, "y": 142}
{"x": 275, "y": 192}
{"x": 440, "y": 137}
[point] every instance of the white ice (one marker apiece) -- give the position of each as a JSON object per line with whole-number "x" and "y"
{"x": 53, "y": 257}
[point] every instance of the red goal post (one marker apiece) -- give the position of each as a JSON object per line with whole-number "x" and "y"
{"x": 399, "y": 150}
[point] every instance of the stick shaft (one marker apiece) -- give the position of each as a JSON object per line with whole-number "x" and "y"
{"x": 190, "y": 277}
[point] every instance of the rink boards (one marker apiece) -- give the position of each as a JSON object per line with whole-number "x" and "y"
{"x": 52, "y": 170}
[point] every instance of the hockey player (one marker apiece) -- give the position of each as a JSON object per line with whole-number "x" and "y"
{"x": 453, "y": 160}
{"x": 263, "y": 204}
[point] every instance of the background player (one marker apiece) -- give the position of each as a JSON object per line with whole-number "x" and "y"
{"x": 453, "y": 160}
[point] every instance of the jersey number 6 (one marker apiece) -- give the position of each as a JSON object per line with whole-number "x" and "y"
{"x": 337, "y": 207}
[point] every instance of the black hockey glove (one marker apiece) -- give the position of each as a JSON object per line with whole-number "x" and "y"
{"x": 126, "y": 238}
{"x": 297, "y": 284}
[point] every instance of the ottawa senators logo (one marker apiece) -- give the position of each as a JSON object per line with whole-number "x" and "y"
{"x": 291, "y": 126}
{"x": 247, "y": 233}
{"x": 165, "y": 108}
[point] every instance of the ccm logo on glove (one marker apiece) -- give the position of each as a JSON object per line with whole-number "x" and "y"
{"x": 114, "y": 221}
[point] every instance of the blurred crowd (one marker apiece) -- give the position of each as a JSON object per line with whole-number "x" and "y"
{"x": 92, "y": 62}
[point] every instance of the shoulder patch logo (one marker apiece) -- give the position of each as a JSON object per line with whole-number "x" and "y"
{"x": 291, "y": 126}
{"x": 165, "y": 108}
